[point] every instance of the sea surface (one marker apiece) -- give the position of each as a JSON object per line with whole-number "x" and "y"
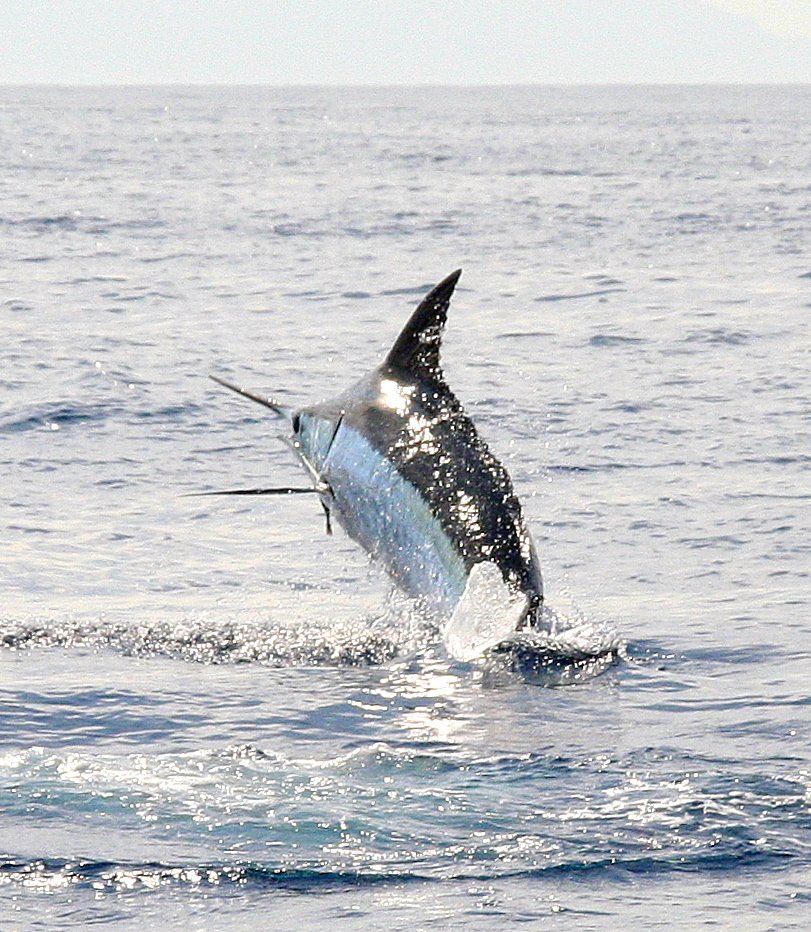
{"x": 213, "y": 715}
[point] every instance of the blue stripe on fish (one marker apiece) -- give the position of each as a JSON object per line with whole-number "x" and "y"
{"x": 389, "y": 517}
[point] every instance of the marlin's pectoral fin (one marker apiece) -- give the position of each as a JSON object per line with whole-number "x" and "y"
{"x": 487, "y": 614}
{"x": 328, "y": 517}
{"x": 324, "y": 489}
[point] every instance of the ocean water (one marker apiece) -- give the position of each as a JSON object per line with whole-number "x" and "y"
{"x": 214, "y": 716}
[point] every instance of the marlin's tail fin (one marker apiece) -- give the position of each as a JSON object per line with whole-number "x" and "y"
{"x": 487, "y": 614}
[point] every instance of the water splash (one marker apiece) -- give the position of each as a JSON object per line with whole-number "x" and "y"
{"x": 403, "y": 628}
{"x": 201, "y": 639}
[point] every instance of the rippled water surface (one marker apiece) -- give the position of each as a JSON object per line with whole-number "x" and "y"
{"x": 212, "y": 715}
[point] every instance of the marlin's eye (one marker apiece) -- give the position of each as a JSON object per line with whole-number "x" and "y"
{"x": 296, "y": 423}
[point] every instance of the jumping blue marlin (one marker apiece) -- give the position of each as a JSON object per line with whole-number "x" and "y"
{"x": 399, "y": 465}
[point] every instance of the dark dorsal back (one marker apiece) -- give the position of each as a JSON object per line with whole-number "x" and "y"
{"x": 416, "y": 350}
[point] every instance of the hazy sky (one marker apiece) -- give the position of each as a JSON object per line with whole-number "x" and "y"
{"x": 402, "y": 42}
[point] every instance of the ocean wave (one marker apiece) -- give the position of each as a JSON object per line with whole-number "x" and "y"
{"x": 79, "y": 222}
{"x": 602, "y": 340}
{"x": 57, "y": 415}
{"x": 719, "y": 337}
{"x": 579, "y": 294}
{"x": 52, "y": 875}
{"x": 53, "y": 416}
{"x": 389, "y": 812}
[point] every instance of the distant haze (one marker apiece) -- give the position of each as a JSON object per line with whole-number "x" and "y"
{"x": 416, "y": 42}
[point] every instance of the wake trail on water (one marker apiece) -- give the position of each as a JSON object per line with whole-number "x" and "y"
{"x": 404, "y": 629}
{"x": 203, "y": 639}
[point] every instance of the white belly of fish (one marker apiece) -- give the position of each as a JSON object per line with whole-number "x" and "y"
{"x": 388, "y": 517}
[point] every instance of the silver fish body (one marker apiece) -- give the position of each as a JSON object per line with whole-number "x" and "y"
{"x": 402, "y": 468}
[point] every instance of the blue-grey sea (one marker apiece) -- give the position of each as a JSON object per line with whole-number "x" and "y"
{"x": 213, "y": 715}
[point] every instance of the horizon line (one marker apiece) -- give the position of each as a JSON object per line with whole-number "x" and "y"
{"x": 394, "y": 86}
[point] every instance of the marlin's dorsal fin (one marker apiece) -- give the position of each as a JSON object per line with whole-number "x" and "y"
{"x": 416, "y": 350}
